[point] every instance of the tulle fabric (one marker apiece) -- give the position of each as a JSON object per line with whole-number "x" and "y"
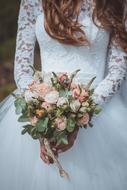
{"x": 98, "y": 159}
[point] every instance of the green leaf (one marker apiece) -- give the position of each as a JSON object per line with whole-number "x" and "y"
{"x": 59, "y": 112}
{"x": 62, "y": 138}
{"x": 23, "y": 119}
{"x": 71, "y": 123}
{"x": 42, "y": 124}
{"x": 97, "y": 110}
{"x": 27, "y": 126}
{"x": 74, "y": 74}
{"x": 24, "y": 131}
{"x": 33, "y": 131}
{"x": 91, "y": 92}
{"x": 90, "y": 124}
{"x": 20, "y": 105}
{"x": 54, "y": 74}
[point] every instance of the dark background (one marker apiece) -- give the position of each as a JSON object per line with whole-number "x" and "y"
{"x": 9, "y": 10}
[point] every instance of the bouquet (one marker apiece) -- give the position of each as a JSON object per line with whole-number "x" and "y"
{"x": 53, "y": 109}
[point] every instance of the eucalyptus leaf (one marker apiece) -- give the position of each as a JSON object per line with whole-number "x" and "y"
{"x": 24, "y": 131}
{"x": 71, "y": 123}
{"x": 20, "y": 105}
{"x": 23, "y": 118}
{"x": 91, "y": 92}
{"x": 74, "y": 74}
{"x": 42, "y": 124}
{"x": 27, "y": 126}
{"x": 59, "y": 113}
{"x": 62, "y": 138}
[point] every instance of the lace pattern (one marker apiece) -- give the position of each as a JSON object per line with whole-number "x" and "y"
{"x": 25, "y": 43}
{"x": 117, "y": 70}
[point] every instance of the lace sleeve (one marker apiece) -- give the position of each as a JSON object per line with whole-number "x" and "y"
{"x": 117, "y": 69}
{"x": 25, "y": 42}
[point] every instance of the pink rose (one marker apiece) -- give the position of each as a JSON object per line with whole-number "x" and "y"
{"x": 80, "y": 93}
{"x": 84, "y": 120}
{"x": 61, "y": 123}
{"x": 34, "y": 120}
{"x": 83, "y": 96}
{"x": 76, "y": 92}
{"x": 62, "y": 77}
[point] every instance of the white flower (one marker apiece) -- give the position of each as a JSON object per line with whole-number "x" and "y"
{"x": 29, "y": 96}
{"x": 75, "y": 105}
{"x": 61, "y": 101}
{"x": 52, "y": 97}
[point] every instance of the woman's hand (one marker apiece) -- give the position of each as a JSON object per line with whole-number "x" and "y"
{"x": 59, "y": 148}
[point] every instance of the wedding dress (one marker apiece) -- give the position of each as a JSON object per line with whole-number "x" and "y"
{"x": 98, "y": 159}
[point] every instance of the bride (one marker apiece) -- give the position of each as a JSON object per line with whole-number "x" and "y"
{"x": 81, "y": 34}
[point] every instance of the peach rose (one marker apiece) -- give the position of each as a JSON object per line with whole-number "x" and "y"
{"x": 84, "y": 120}
{"x": 61, "y": 123}
{"x": 42, "y": 89}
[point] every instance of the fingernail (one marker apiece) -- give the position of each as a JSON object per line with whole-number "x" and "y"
{"x": 54, "y": 149}
{"x": 46, "y": 157}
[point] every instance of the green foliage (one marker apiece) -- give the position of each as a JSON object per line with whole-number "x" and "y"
{"x": 23, "y": 118}
{"x": 61, "y": 137}
{"x": 97, "y": 110}
{"x": 42, "y": 124}
{"x": 20, "y": 105}
{"x": 71, "y": 123}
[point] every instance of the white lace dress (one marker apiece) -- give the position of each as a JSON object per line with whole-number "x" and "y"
{"x": 98, "y": 159}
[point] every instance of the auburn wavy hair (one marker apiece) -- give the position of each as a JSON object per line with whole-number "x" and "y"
{"x": 61, "y": 20}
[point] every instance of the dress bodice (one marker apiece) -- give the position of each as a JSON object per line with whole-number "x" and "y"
{"x": 67, "y": 58}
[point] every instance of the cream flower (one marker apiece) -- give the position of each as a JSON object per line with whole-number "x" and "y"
{"x": 61, "y": 101}
{"x": 75, "y": 105}
{"x": 52, "y": 97}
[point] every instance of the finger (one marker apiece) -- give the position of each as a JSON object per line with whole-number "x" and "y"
{"x": 44, "y": 154}
{"x": 44, "y": 159}
{"x": 43, "y": 149}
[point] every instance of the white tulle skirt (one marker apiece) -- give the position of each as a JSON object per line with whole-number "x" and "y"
{"x": 97, "y": 161}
